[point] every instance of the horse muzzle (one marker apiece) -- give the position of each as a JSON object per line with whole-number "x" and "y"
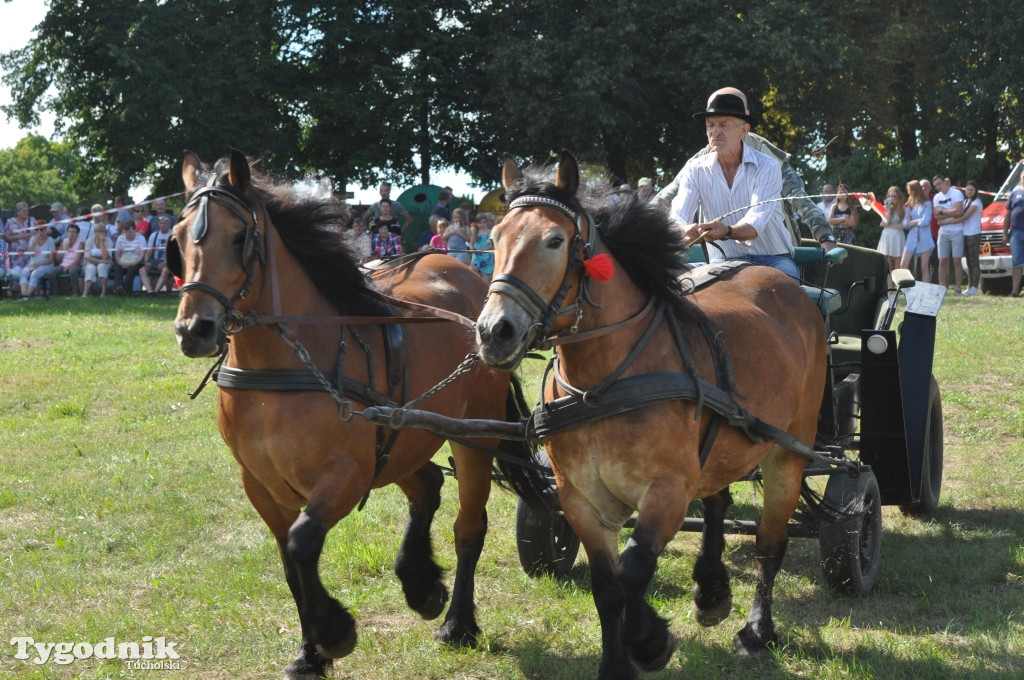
{"x": 200, "y": 336}
{"x": 504, "y": 335}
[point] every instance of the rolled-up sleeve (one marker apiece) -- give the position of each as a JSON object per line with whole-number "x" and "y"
{"x": 687, "y": 201}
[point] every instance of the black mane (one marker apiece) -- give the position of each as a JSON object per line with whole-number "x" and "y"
{"x": 312, "y": 228}
{"x": 643, "y": 240}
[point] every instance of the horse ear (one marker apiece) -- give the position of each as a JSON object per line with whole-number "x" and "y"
{"x": 567, "y": 178}
{"x": 239, "y": 172}
{"x": 510, "y": 172}
{"x": 190, "y": 171}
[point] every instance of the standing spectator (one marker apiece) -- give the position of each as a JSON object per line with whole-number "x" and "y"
{"x": 155, "y": 259}
{"x": 428, "y": 234}
{"x": 947, "y": 207}
{"x": 893, "y": 240}
{"x": 483, "y": 262}
{"x": 16, "y": 234}
{"x": 843, "y": 217}
{"x": 397, "y": 209}
{"x": 440, "y": 226}
{"x": 456, "y": 237}
{"x": 386, "y": 219}
{"x": 41, "y": 250}
{"x": 127, "y": 256}
{"x": 1013, "y": 235}
{"x": 917, "y": 221}
{"x": 123, "y": 213}
{"x": 159, "y": 210}
{"x": 971, "y": 218}
{"x": 385, "y": 244}
{"x": 97, "y": 259}
{"x": 644, "y": 189}
{"x": 933, "y": 266}
{"x": 828, "y": 196}
{"x": 71, "y": 249}
{"x": 441, "y": 208}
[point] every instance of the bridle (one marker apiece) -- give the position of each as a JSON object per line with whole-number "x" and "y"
{"x": 254, "y": 248}
{"x": 545, "y": 313}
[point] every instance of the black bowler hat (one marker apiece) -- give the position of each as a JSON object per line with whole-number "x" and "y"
{"x": 725, "y": 105}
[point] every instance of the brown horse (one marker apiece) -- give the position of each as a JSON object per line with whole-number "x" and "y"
{"x": 615, "y": 445}
{"x": 269, "y": 279}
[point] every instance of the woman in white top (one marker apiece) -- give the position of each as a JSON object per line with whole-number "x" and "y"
{"x": 971, "y": 219}
{"x": 918, "y": 222}
{"x": 893, "y": 240}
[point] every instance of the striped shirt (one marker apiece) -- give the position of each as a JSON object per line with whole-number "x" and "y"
{"x": 702, "y": 185}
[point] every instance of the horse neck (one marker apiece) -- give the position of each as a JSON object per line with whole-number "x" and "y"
{"x": 588, "y": 362}
{"x": 283, "y": 288}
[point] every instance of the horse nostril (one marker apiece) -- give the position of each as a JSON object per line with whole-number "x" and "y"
{"x": 503, "y": 331}
{"x": 203, "y": 329}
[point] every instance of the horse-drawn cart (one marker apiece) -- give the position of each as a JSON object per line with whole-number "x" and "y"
{"x": 880, "y": 419}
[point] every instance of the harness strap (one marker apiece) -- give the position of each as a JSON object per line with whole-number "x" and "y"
{"x": 636, "y": 392}
{"x": 294, "y": 380}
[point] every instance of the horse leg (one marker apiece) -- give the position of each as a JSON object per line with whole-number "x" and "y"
{"x": 645, "y": 635}
{"x": 309, "y": 664}
{"x": 783, "y": 473}
{"x": 474, "y": 473}
{"x": 712, "y": 597}
{"x": 414, "y": 563}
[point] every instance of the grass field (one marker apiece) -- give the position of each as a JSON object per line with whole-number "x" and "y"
{"x": 121, "y": 516}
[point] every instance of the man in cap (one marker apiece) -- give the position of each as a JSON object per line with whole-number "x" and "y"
{"x": 737, "y": 188}
{"x": 644, "y": 189}
{"x": 808, "y": 212}
{"x": 61, "y": 220}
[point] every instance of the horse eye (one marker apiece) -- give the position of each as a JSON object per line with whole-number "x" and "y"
{"x": 556, "y": 242}
{"x": 239, "y": 239}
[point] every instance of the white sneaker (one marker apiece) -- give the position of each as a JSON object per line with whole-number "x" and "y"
{"x": 971, "y": 291}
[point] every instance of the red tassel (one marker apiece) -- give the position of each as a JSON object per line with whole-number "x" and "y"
{"x": 600, "y": 267}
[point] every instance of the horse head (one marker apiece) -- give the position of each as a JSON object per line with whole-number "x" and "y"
{"x": 538, "y": 256}
{"x": 214, "y": 248}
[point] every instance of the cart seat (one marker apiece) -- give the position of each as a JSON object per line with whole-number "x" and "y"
{"x": 827, "y": 299}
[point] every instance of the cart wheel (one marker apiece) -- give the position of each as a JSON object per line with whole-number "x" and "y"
{"x": 931, "y": 460}
{"x": 851, "y": 548}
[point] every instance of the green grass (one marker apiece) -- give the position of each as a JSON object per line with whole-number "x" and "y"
{"x": 121, "y": 514}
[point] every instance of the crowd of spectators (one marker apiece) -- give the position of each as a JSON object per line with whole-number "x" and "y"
{"x": 100, "y": 250}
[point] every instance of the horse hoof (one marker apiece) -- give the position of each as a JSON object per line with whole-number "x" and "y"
{"x": 660, "y": 661}
{"x": 433, "y": 604}
{"x": 305, "y": 669}
{"x": 458, "y": 636}
{"x": 342, "y": 647}
{"x": 714, "y": 615}
{"x": 748, "y": 644}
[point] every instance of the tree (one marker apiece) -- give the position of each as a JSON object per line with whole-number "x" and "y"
{"x": 37, "y": 171}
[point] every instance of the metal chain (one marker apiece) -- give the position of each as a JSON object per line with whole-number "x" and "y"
{"x": 345, "y": 409}
{"x": 398, "y": 415}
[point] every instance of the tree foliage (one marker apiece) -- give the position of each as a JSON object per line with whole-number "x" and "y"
{"x": 357, "y": 90}
{"x": 38, "y": 171}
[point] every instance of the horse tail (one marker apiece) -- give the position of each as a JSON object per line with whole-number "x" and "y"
{"x": 815, "y": 507}
{"x": 519, "y": 469}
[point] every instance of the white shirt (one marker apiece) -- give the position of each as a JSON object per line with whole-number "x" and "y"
{"x": 972, "y": 227}
{"x": 702, "y": 185}
{"x": 952, "y": 198}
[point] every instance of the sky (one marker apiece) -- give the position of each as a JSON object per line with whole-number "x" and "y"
{"x": 18, "y": 19}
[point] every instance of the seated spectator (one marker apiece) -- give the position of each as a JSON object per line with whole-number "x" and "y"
{"x": 16, "y": 233}
{"x": 41, "y": 250}
{"x": 128, "y": 252}
{"x": 140, "y": 213}
{"x": 423, "y": 243}
{"x": 71, "y": 260}
{"x": 359, "y": 240}
{"x": 385, "y": 244}
{"x": 155, "y": 260}
{"x": 97, "y": 261}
